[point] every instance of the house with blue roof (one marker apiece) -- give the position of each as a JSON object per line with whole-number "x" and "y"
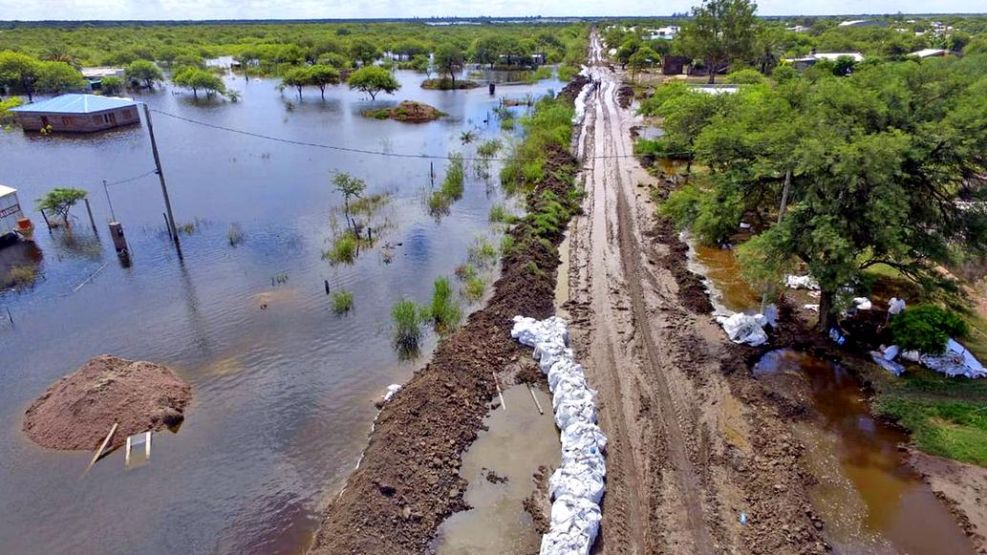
{"x": 77, "y": 113}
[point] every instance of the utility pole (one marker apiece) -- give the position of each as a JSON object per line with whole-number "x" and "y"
{"x": 173, "y": 231}
{"x": 113, "y": 215}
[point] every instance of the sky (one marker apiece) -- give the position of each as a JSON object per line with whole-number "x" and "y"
{"x": 330, "y": 9}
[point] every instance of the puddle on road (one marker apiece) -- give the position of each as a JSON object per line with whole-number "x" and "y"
{"x": 871, "y": 500}
{"x": 518, "y": 440}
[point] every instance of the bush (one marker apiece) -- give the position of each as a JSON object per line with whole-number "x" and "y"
{"x": 926, "y": 328}
{"x": 745, "y": 77}
{"x": 342, "y": 301}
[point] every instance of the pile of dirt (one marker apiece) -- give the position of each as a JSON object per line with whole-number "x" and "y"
{"x": 407, "y": 111}
{"x": 572, "y": 89}
{"x": 408, "y": 481}
{"x": 78, "y": 410}
{"x": 625, "y": 95}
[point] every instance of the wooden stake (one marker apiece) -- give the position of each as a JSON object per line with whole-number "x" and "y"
{"x": 502, "y": 404}
{"x": 45, "y": 216}
{"x": 102, "y": 446}
{"x": 126, "y": 458}
{"x": 92, "y": 222}
{"x": 147, "y": 446}
{"x": 531, "y": 390}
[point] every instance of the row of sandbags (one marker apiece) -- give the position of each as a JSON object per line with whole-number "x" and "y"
{"x": 577, "y": 486}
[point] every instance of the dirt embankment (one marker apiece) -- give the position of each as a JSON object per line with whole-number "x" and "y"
{"x": 408, "y": 482}
{"x": 78, "y": 410}
{"x": 407, "y": 111}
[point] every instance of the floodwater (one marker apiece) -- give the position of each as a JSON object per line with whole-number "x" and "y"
{"x": 517, "y": 441}
{"x": 283, "y": 388}
{"x": 871, "y": 500}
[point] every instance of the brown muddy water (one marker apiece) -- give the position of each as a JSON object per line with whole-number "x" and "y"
{"x": 518, "y": 440}
{"x": 283, "y": 388}
{"x": 871, "y": 500}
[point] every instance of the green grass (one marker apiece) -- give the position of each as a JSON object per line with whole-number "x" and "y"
{"x": 500, "y": 214}
{"x": 408, "y": 320}
{"x": 482, "y": 253}
{"x": 452, "y": 186}
{"x": 952, "y": 429}
{"x": 342, "y": 302}
{"x": 444, "y": 310}
{"x": 343, "y": 250}
{"x": 488, "y": 149}
{"x": 465, "y": 271}
{"x": 507, "y": 244}
{"x": 474, "y": 288}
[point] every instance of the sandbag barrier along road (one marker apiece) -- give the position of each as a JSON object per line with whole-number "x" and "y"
{"x": 577, "y": 486}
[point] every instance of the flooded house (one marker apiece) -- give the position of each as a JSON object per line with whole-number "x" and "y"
{"x": 77, "y": 113}
{"x": 94, "y": 75}
{"x": 12, "y": 221}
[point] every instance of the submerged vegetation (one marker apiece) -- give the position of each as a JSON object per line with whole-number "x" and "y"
{"x": 444, "y": 311}
{"x": 342, "y": 301}
{"x": 452, "y": 186}
{"x": 408, "y": 319}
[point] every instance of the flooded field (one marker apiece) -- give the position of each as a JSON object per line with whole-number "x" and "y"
{"x": 283, "y": 388}
{"x": 871, "y": 501}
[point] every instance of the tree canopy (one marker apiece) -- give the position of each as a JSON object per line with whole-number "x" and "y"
{"x": 196, "y": 79}
{"x": 449, "y": 58}
{"x": 373, "y": 80}
{"x": 143, "y": 71}
{"x": 720, "y": 31}
{"x": 60, "y": 200}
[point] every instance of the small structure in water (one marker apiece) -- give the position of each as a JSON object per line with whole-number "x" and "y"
{"x": 13, "y": 224}
{"x": 77, "y": 113}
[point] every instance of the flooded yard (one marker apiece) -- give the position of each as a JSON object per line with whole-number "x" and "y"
{"x": 282, "y": 387}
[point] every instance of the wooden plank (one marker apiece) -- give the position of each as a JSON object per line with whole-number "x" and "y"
{"x": 147, "y": 446}
{"x": 102, "y": 446}
{"x": 502, "y": 404}
{"x": 531, "y": 390}
{"x": 126, "y": 458}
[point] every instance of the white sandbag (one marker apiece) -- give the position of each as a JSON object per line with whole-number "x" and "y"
{"x": 572, "y": 410}
{"x": 548, "y": 353}
{"x": 577, "y": 479}
{"x": 911, "y": 356}
{"x": 956, "y": 361}
{"x": 529, "y": 331}
{"x": 896, "y": 306}
{"x": 391, "y": 390}
{"x": 862, "y": 303}
{"x": 570, "y": 387}
{"x": 886, "y": 363}
{"x": 744, "y": 328}
{"x": 889, "y": 353}
{"x": 563, "y": 367}
{"x": 574, "y": 525}
{"x": 801, "y": 282}
{"x": 584, "y": 436}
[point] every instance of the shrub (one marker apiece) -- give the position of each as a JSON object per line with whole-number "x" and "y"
{"x": 343, "y": 250}
{"x": 474, "y": 288}
{"x": 342, "y": 301}
{"x": 926, "y": 328}
{"x": 20, "y": 276}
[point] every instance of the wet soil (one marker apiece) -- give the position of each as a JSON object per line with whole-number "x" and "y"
{"x": 78, "y": 410}
{"x": 408, "y": 481}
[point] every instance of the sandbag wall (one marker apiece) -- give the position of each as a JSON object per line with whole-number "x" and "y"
{"x": 577, "y": 486}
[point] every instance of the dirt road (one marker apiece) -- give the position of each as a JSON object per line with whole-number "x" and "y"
{"x": 698, "y": 461}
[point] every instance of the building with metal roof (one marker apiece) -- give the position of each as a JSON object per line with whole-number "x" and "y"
{"x": 77, "y": 113}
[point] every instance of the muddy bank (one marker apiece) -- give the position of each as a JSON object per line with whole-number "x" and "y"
{"x": 407, "y": 111}
{"x": 961, "y": 487}
{"x": 78, "y": 410}
{"x": 409, "y": 482}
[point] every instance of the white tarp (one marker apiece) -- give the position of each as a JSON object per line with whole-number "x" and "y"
{"x": 896, "y": 305}
{"x": 801, "y": 282}
{"x": 578, "y": 485}
{"x": 744, "y": 328}
{"x": 391, "y": 390}
{"x": 956, "y": 361}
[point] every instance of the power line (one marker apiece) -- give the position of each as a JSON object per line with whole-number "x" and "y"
{"x": 344, "y": 148}
{"x": 129, "y": 179}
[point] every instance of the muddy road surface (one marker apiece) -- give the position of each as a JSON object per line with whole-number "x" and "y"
{"x": 699, "y": 459}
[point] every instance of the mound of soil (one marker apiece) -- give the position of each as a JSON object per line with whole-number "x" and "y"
{"x": 79, "y": 409}
{"x": 572, "y": 88}
{"x": 408, "y": 481}
{"x": 447, "y": 85}
{"x": 407, "y": 111}
{"x": 625, "y": 95}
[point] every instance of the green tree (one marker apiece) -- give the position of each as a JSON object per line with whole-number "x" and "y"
{"x": 486, "y": 50}
{"x": 364, "y": 50}
{"x": 58, "y": 77}
{"x": 449, "y": 59}
{"x": 111, "y": 85}
{"x": 350, "y": 187}
{"x": 322, "y": 76}
{"x": 145, "y": 72}
{"x": 720, "y": 31}
{"x": 644, "y": 58}
{"x": 297, "y": 77}
{"x": 373, "y": 80}
{"x": 19, "y": 72}
{"x": 60, "y": 200}
{"x": 196, "y": 79}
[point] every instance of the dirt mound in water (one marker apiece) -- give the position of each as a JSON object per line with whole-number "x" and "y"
{"x": 408, "y": 481}
{"x": 407, "y": 111}
{"x": 78, "y": 410}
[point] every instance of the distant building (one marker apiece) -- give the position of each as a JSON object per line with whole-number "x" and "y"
{"x": 95, "y": 75}
{"x": 861, "y": 23}
{"x": 664, "y": 33}
{"x": 811, "y": 59}
{"x": 10, "y": 216}
{"x": 928, "y": 53}
{"x": 77, "y": 113}
{"x": 800, "y": 29}
{"x": 674, "y": 65}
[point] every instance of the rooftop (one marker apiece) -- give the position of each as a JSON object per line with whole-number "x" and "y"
{"x": 76, "y": 104}
{"x": 928, "y": 52}
{"x": 5, "y": 190}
